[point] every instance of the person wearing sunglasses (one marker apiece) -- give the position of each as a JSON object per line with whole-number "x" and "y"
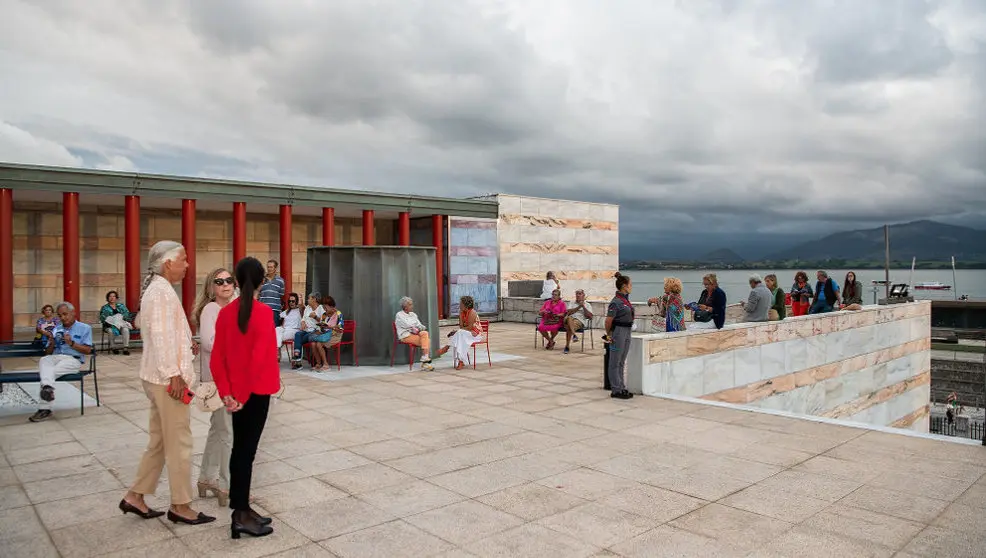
{"x": 217, "y": 292}
{"x": 290, "y": 322}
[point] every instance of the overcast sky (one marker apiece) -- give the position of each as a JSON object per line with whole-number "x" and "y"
{"x": 770, "y": 116}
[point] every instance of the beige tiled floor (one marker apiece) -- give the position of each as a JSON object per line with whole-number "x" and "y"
{"x": 528, "y": 458}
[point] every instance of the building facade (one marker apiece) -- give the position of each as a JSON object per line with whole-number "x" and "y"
{"x": 75, "y": 234}
{"x": 72, "y": 234}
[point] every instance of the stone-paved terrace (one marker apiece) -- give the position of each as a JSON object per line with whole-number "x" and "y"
{"x": 528, "y": 458}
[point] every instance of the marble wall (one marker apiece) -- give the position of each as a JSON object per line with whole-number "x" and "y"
{"x": 579, "y": 241}
{"x": 870, "y": 366}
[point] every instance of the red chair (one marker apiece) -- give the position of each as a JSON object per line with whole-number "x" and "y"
{"x": 485, "y": 325}
{"x": 348, "y": 326}
{"x": 410, "y": 350}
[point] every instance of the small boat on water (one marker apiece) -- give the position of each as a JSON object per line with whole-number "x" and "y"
{"x": 932, "y": 286}
{"x": 880, "y": 282}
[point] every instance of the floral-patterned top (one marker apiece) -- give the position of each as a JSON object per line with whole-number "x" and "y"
{"x": 674, "y": 312}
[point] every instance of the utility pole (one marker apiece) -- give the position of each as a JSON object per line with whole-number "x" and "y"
{"x": 886, "y": 265}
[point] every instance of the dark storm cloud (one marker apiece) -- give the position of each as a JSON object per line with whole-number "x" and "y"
{"x": 717, "y": 116}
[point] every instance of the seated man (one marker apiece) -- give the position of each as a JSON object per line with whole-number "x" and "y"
{"x": 411, "y": 331}
{"x": 66, "y": 353}
{"x": 577, "y": 318}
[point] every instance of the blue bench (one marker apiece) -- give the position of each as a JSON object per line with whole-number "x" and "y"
{"x": 32, "y": 376}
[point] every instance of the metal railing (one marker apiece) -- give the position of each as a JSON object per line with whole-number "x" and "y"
{"x": 941, "y": 425}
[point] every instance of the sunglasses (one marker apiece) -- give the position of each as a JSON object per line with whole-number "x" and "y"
{"x": 220, "y": 282}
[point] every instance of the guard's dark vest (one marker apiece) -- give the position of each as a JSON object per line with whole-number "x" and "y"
{"x": 828, "y": 289}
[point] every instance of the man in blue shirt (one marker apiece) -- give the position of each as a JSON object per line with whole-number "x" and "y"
{"x": 65, "y": 353}
{"x": 272, "y": 291}
{"x": 826, "y": 294}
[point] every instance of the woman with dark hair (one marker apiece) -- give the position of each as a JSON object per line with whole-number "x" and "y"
{"x": 328, "y": 334}
{"x": 852, "y": 293}
{"x": 45, "y": 325}
{"x": 801, "y": 294}
{"x": 619, "y": 324}
{"x": 115, "y": 319}
{"x": 470, "y": 331}
{"x": 245, "y": 368}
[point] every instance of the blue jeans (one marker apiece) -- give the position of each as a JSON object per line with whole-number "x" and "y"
{"x": 820, "y": 307}
{"x": 300, "y": 339}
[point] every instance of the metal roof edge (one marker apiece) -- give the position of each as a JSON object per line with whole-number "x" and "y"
{"x": 94, "y": 181}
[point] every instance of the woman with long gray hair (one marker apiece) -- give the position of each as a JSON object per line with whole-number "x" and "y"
{"x": 166, "y": 373}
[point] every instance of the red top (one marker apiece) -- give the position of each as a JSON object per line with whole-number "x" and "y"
{"x": 242, "y": 364}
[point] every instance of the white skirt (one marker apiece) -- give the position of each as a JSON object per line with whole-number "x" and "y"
{"x": 461, "y": 343}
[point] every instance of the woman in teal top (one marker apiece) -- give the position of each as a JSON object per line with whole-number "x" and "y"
{"x": 116, "y": 321}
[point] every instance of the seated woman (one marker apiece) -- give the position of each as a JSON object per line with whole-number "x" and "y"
{"x": 290, "y": 323}
{"x": 411, "y": 331}
{"x": 549, "y": 286}
{"x": 329, "y": 334}
{"x": 778, "y": 310}
{"x": 310, "y": 317}
{"x": 710, "y": 312}
{"x": 801, "y": 294}
{"x": 671, "y": 305}
{"x": 45, "y": 325}
{"x": 552, "y": 314}
{"x": 116, "y": 321}
{"x": 852, "y": 293}
{"x": 470, "y": 331}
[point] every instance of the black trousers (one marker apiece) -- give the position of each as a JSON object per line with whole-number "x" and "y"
{"x": 248, "y": 425}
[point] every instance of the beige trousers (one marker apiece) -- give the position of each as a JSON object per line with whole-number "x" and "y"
{"x": 170, "y": 442}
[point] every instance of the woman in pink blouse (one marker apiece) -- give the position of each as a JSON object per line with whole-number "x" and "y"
{"x": 552, "y": 317}
{"x": 166, "y": 373}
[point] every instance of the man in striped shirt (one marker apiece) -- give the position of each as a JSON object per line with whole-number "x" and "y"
{"x": 272, "y": 291}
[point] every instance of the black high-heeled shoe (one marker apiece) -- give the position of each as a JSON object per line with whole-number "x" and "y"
{"x": 126, "y": 507}
{"x": 244, "y": 522}
{"x": 263, "y": 520}
{"x": 199, "y": 519}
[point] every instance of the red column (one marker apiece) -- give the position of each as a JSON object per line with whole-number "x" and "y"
{"x": 328, "y": 226}
{"x": 437, "y": 240}
{"x": 188, "y": 241}
{"x": 368, "y": 227}
{"x": 286, "y": 248}
{"x": 131, "y": 251}
{"x": 70, "y": 249}
{"x": 239, "y": 232}
{"x": 6, "y": 264}
{"x": 404, "y": 228}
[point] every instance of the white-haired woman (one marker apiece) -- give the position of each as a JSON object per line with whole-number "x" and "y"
{"x": 166, "y": 373}
{"x": 411, "y": 331}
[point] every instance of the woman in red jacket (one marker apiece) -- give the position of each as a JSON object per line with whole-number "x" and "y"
{"x": 246, "y": 372}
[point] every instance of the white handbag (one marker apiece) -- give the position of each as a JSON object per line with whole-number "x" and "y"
{"x": 207, "y": 397}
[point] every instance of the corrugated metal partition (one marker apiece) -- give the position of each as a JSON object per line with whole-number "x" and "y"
{"x": 367, "y": 283}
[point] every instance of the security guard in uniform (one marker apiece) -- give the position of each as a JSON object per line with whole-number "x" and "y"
{"x": 619, "y": 324}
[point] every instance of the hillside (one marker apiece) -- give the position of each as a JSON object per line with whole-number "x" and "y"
{"x": 925, "y": 240}
{"x": 722, "y": 256}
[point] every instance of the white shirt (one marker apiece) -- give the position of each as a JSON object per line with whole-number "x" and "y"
{"x": 312, "y": 316}
{"x": 580, "y": 315}
{"x": 405, "y": 322}
{"x": 207, "y": 338}
{"x": 549, "y": 286}
{"x": 292, "y": 318}
{"x": 167, "y": 350}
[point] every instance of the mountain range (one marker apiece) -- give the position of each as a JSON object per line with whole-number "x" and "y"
{"x": 928, "y": 241}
